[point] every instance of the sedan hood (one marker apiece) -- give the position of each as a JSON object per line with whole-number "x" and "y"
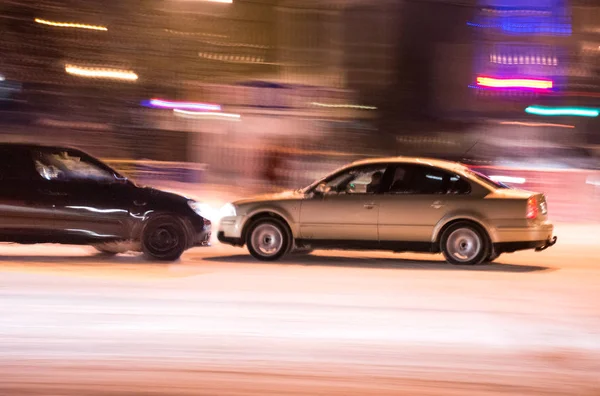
{"x": 281, "y": 196}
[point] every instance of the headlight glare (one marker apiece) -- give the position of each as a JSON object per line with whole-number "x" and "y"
{"x": 228, "y": 210}
{"x": 201, "y": 209}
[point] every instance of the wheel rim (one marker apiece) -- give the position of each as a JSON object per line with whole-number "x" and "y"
{"x": 267, "y": 240}
{"x": 163, "y": 239}
{"x": 464, "y": 245}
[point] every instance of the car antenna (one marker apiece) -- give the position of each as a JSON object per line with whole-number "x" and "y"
{"x": 470, "y": 148}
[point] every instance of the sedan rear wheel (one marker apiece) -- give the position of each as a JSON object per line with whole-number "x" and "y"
{"x": 464, "y": 244}
{"x": 268, "y": 240}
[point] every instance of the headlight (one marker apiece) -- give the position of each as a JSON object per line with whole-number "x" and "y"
{"x": 201, "y": 209}
{"x": 228, "y": 210}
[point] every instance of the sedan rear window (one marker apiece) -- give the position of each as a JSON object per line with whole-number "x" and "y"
{"x": 486, "y": 180}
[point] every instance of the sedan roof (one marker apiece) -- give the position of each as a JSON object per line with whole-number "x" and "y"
{"x": 438, "y": 163}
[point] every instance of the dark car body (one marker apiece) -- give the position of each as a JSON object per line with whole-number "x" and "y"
{"x": 63, "y": 195}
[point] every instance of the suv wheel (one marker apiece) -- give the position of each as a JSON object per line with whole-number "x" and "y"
{"x": 164, "y": 239}
{"x": 268, "y": 239}
{"x": 464, "y": 243}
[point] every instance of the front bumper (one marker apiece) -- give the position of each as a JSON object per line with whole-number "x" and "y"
{"x": 202, "y": 238}
{"x": 230, "y": 230}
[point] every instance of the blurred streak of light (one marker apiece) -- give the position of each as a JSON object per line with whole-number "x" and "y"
{"x": 523, "y": 60}
{"x": 231, "y": 58}
{"x": 343, "y": 106}
{"x": 209, "y": 115}
{"x": 2, "y": 78}
{"x": 508, "y": 179}
{"x": 115, "y": 74}
{"x": 562, "y": 29}
{"x": 513, "y": 83}
{"x": 165, "y": 104}
{"x": 195, "y": 33}
{"x": 70, "y": 25}
{"x": 562, "y": 111}
{"x": 594, "y": 181}
{"x": 517, "y": 11}
{"x": 537, "y": 124}
{"x": 210, "y": 1}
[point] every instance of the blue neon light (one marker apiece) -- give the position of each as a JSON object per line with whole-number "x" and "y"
{"x": 557, "y": 29}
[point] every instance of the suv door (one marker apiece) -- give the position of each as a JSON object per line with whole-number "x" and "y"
{"x": 91, "y": 203}
{"x": 25, "y": 213}
{"x": 348, "y": 212}
{"x": 418, "y": 197}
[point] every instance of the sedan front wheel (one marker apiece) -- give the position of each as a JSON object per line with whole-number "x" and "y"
{"x": 268, "y": 239}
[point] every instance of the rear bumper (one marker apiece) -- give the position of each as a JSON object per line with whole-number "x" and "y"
{"x": 510, "y": 247}
{"x": 549, "y": 243}
{"x": 525, "y": 233}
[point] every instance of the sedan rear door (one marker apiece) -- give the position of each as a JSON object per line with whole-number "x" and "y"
{"x": 417, "y": 199}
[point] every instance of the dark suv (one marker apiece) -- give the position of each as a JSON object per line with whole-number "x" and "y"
{"x": 63, "y": 195}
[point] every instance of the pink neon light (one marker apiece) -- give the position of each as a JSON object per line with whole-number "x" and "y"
{"x": 513, "y": 83}
{"x": 165, "y": 104}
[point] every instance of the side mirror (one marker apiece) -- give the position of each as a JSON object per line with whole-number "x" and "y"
{"x": 121, "y": 179}
{"x": 322, "y": 189}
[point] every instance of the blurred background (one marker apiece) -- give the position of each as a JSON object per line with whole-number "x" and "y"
{"x": 275, "y": 93}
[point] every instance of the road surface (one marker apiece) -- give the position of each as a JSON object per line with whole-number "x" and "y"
{"x": 334, "y": 323}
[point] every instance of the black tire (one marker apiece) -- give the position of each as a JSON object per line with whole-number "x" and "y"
{"x": 302, "y": 252}
{"x": 105, "y": 252}
{"x": 492, "y": 256}
{"x": 164, "y": 238}
{"x": 273, "y": 234}
{"x": 110, "y": 249}
{"x": 465, "y": 243}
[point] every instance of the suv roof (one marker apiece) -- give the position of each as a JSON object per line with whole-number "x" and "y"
{"x": 29, "y": 146}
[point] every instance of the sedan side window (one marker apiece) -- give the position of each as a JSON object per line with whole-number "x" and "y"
{"x": 427, "y": 180}
{"x": 458, "y": 185}
{"x": 365, "y": 180}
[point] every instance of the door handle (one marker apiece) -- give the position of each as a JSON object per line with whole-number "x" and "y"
{"x": 437, "y": 204}
{"x": 369, "y": 206}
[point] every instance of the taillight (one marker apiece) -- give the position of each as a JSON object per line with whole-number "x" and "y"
{"x": 532, "y": 208}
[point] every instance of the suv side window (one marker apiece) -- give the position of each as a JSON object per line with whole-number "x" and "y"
{"x": 69, "y": 166}
{"x": 16, "y": 165}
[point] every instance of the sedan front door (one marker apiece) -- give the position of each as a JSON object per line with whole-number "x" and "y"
{"x": 347, "y": 212}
